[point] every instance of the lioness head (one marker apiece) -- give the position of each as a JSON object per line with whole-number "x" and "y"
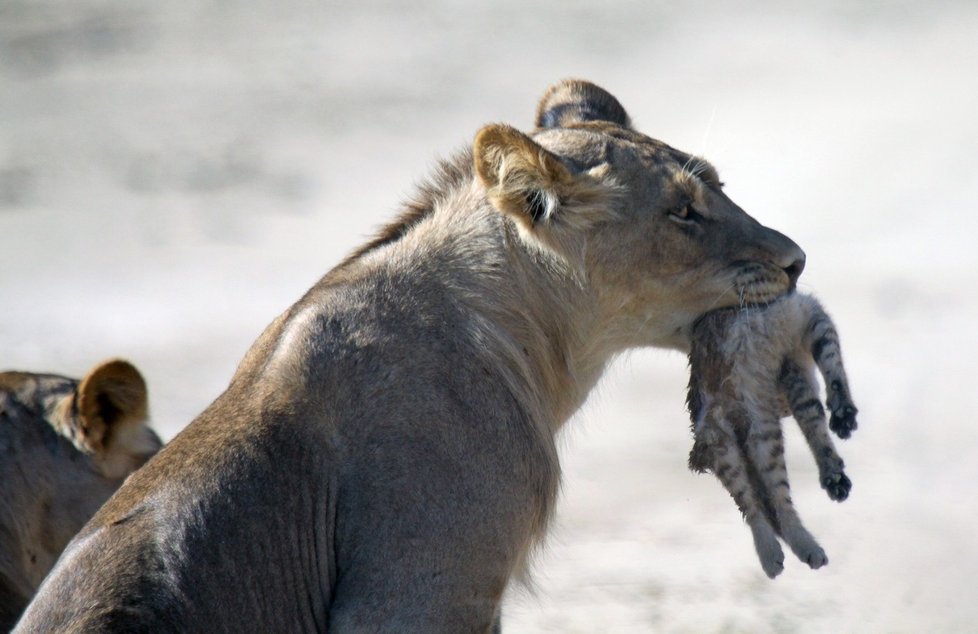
{"x": 647, "y": 226}
{"x": 65, "y": 447}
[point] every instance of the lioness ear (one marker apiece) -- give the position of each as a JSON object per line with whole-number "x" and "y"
{"x": 112, "y": 396}
{"x": 523, "y": 179}
{"x": 575, "y": 101}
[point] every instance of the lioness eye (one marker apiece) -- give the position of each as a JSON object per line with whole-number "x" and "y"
{"x": 686, "y": 213}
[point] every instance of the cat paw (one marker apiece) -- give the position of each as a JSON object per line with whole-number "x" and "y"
{"x": 843, "y": 420}
{"x": 837, "y": 485}
{"x": 804, "y": 546}
{"x": 768, "y": 549}
{"x": 773, "y": 564}
{"x": 815, "y": 558}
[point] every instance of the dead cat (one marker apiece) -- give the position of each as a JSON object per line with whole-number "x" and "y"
{"x": 750, "y": 367}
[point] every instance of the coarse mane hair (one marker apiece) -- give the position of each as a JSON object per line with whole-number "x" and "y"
{"x": 448, "y": 176}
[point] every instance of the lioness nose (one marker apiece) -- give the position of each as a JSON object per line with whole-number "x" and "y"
{"x": 796, "y": 266}
{"x": 783, "y": 252}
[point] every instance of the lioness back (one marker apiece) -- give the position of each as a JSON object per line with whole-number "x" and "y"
{"x": 65, "y": 446}
{"x": 384, "y": 458}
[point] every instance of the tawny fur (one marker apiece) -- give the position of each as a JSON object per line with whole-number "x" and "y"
{"x": 384, "y": 458}
{"x": 748, "y": 368}
{"x": 65, "y": 447}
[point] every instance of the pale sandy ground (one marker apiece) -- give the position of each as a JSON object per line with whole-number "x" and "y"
{"x": 173, "y": 176}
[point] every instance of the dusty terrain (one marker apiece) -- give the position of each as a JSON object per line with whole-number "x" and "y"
{"x": 173, "y": 175}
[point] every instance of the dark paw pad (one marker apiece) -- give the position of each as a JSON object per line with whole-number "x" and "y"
{"x": 837, "y": 485}
{"x": 843, "y": 421}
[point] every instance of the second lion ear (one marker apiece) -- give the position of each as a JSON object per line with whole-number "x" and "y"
{"x": 111, "y": 397}
{"x": 575, "y": 101}
{"x": 522, "y": 179}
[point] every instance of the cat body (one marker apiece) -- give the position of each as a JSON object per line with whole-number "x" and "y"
{"x": 748, "y": 368}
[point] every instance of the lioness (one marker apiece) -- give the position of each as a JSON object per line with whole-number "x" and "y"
{"x": 65, "y": 447}
{"x": 384, "y": 457}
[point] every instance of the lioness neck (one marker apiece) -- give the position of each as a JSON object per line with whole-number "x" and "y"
{"x": 531, "y": 311}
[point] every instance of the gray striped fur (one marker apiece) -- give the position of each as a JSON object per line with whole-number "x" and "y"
{"x": 748, "y": 368}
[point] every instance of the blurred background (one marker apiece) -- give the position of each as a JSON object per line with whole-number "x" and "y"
{"x": 173, "y": 175}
